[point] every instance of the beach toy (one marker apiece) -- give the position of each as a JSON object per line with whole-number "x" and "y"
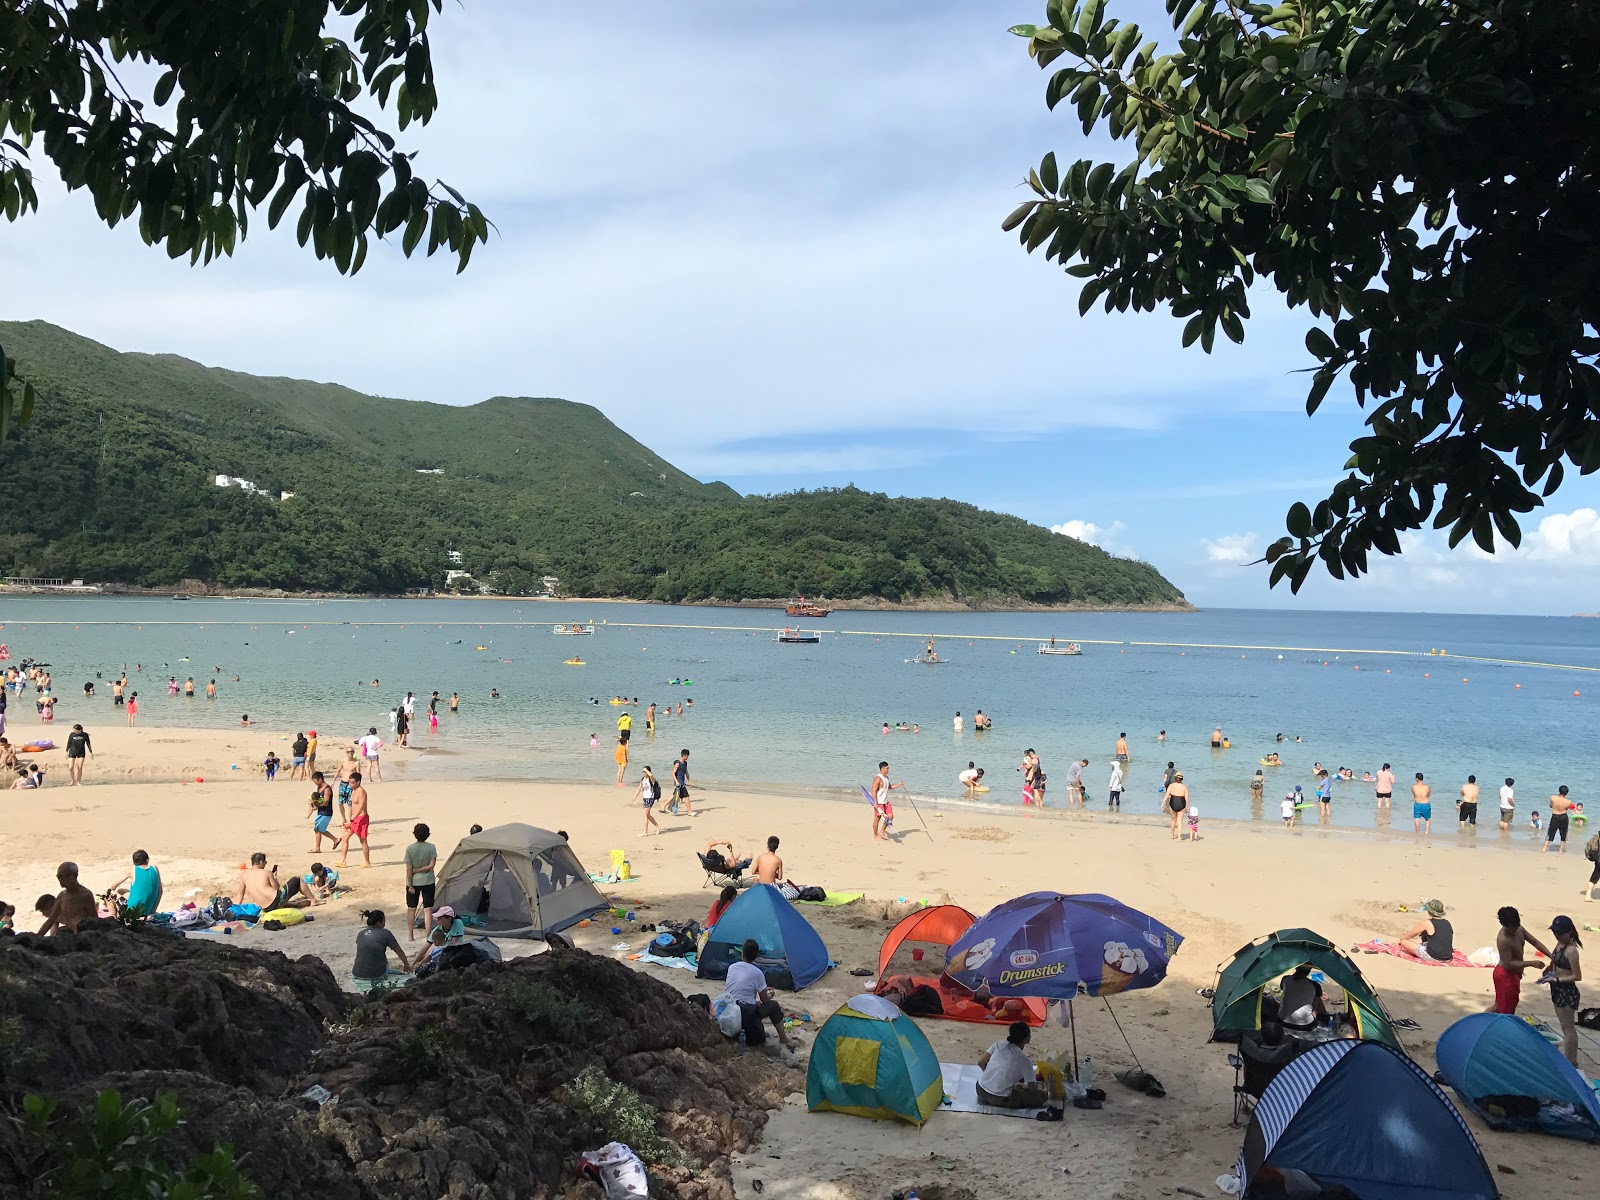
{"x": 585, "y": 923}
{"x": 616, "y": 929}
{"x": 234, "y": 767}
{"x": 630, "y": 916}
{"x": 199, "y": 778}
{"x": 916, "y": 956}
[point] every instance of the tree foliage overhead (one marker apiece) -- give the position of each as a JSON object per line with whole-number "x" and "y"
{"x": 117, "y": 483}
{"x": 1419, "y": 174}
{"x": 250, "y": 103}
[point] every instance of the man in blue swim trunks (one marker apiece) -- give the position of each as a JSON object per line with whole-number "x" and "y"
{"x": 320, "y": 809}
{"x": 1421, "y": 806}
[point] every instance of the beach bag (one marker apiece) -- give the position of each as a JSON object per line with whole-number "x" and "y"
{"x": 922, "y": 1001}
{"x": 1592, "y": 850}
{"x": 729, "y": 1018}
{"x": 813, "y": 894}
{"x": 672, "y": 944}
{"x": 619, "y": 1170}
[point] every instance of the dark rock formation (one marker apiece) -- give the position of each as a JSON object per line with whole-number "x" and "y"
{"x": 476, "y": 1084}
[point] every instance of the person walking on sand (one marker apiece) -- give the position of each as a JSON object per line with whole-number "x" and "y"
{"x": 1467, "y": 803}
{"x": 297, "y": 752}
{"x": 680, "y": 786}
{"x": 360, "y": 823}
{"x": 649, "y": 793}
{"x": 1511, "y": 945}
{"x": 370, "y": 745}
{"x": 1560, "y": 818}
{"x": 1177, "y": 801}
{"x": 1421, "y": 806}
{"x": 1508, "y": 804}
{"x": 78, "y": 748}
{"x": 319, "y": 807}
{"x": 1563, "y": 975}
{"x": 882, "y": 809}
{"x": 1384, "y": 786}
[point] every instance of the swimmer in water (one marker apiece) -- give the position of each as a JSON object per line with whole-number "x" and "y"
{"x": 594, "y": 740}
{"x": 494, "y": 693}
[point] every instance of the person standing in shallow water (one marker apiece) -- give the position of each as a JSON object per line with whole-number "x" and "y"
{"x": 1421, "y": 806}
{"x": 1560, "y": 818}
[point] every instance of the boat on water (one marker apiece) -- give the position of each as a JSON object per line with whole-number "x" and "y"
{"x": 800, "y": 637}
{"x": 182, "y": 596}
{"x": 1064, "y": 648}
{"x": 575, "y": 662}
{"x": 801, "y": 607}
{"x": 573, "y": 630}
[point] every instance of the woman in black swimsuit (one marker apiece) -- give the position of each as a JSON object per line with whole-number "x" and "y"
{"x": 1564, "y": 973}
{"x": 1177, "y": 801}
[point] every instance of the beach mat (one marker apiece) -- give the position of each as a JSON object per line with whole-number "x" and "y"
{"x": 1393, "y": 951}
{"x": 835, "y": 899}
{"x": 680, "y": 963}
{"x": 961, "y": 1093}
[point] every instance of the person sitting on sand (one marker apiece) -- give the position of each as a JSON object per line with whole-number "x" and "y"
{"x": 75, "y": 905}
{"x": 142, "y": 886}
{"x": 455, "y": 929}
{"x": 259, "y": 886}
{"x": 747, "y": 987}
{"x": 726, "y": 897}
{"x": 1007, "y": 1080}
{"x": 320, "y": 884}
{"x": 1302, "y": 1005}
{"x": 768, "y": 866}
{"x": 1432, "y": 937}
{"x": 373, "y": 945}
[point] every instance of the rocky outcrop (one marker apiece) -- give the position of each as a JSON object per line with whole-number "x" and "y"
{"x": 475, "y": 1084}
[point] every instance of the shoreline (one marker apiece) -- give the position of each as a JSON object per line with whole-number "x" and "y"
{"x": 201, "y": 591}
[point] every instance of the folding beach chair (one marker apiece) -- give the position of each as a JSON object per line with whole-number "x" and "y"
{"x": 1255, "y": 1066}
{"x": 717, "y": 871}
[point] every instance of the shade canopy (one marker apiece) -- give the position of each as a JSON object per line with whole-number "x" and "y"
{"x": 522, "y": 880}
{"x": 870, "y": 1059}
{"x": 1053, "y": 945}
{"x": 1510, "y": 1076}
{"x": 792, "y": 954}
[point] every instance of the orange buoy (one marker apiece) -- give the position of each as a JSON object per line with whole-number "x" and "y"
{"x": 1425, "y": 675}
{"x": 1575, "y": 693}
{"x": 1519, "y": 687}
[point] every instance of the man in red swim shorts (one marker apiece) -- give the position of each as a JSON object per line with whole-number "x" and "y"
{"x": 1511, "y": 943}
{"x": 360, "y": 822}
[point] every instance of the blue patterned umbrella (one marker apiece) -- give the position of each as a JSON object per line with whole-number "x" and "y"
{"x": 1047, "y": 944}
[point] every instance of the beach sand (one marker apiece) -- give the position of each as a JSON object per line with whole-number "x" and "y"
{"x": 1239, "y": 882}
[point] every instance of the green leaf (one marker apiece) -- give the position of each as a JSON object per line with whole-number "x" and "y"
{"x": 1018, "y": 215}
{"x": 1298, "y": 522}
{"x": 1258, "y": 190}
{"x": 1320, "y": 344}
{"x": 1048, "y": 174}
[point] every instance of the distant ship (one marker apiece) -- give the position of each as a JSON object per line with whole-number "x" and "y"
{"x": 801, "y": 607}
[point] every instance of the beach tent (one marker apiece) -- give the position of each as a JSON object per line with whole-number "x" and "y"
{"x": 523, "y": 881}
{"x": 1237, "y": 1004}
{"x": 1363, "y": 1116}
{"x": 940, "y": 925}
{"x": 1513, "y": 1078}
{"x": 792, "y": 953}
{"x": 870, "y": 1060}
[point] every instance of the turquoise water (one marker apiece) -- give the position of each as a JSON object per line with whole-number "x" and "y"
{"x": 810, "y": 716}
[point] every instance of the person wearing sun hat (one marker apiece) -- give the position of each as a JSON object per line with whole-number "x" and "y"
{"x": 1433, "y": 938}
{"x": 1562, "y": 975}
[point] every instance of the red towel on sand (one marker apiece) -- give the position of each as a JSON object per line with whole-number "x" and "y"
{"x": 1393, "y": 951}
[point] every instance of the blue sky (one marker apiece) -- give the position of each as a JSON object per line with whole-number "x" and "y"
{"x": 765, "y": 240}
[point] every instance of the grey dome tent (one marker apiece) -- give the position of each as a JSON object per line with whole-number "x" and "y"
{"x": 523, "y": 881}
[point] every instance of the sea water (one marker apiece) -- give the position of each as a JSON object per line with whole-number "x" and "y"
{"x": 775, "y": 717}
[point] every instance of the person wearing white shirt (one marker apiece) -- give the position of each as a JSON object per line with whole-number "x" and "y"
{"x": 370, "y": 745}
{"x": 1508, "y": 803}
{"x": 1287, "y": 808}
{"x": 1116, "y": 787}
{"x": 747, "y": 987}
{"x": 1008, "y": 1076}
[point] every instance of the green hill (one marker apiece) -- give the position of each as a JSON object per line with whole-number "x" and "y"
{"x": 115, "y": 481}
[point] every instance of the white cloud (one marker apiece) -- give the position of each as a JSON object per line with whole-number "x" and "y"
{"x": 1232, "y": 549}
{"x": 1087, "y": 531}
{"x": 1567, "y": 539}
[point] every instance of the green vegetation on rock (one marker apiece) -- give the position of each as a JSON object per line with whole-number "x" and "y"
{"x": 115, "y": 481}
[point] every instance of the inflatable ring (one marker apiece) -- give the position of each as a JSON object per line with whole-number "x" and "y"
{"x": 1267, "y": 762}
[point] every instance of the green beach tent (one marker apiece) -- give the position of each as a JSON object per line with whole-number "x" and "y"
{"x": 1236, "y": 1006}
{"x": 870, "y": 1060}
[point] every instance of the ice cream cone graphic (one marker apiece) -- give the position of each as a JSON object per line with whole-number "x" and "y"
{"x": 1120, "y": 965}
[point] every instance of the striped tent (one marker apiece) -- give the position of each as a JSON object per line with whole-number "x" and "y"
{"x": 1362, "y": 1115}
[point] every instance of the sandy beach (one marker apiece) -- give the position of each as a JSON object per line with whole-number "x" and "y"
{"x": 1239, "y": 882}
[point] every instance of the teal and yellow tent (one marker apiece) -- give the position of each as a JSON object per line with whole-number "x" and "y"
{"x": 870, "y": 1059}
{"x": 1237, "y": 1004}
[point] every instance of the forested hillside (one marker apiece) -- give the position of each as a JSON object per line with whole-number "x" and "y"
{"x": 114, "y": 481}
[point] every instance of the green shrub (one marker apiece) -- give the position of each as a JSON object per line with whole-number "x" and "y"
{"x": 620, "y": 1114}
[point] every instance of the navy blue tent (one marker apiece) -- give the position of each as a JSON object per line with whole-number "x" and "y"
{"x": 1364, "y": 1116}
{"x": 792, "y": 953}
{"x": 1513, "y": 1078}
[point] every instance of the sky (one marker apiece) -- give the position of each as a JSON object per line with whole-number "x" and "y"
{"x": 764, "y": 240}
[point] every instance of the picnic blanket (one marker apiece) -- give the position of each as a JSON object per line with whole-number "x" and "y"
{"x": 961, "y": 1093}
{"x": 834, "y": 899}
{"x": 1393, "y": 951}
{"x": 680, "y": 963}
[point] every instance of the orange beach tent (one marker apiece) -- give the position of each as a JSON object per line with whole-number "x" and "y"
{"x": 940, "y": 925}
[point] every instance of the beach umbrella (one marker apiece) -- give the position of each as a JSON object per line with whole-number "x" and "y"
{"x": 1049, "y": 944}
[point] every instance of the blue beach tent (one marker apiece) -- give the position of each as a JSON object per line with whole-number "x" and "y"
{"x": 792, "y": 953}
{"x": 1363, "y": 1116}
{"x": 1509, "y": 1075}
